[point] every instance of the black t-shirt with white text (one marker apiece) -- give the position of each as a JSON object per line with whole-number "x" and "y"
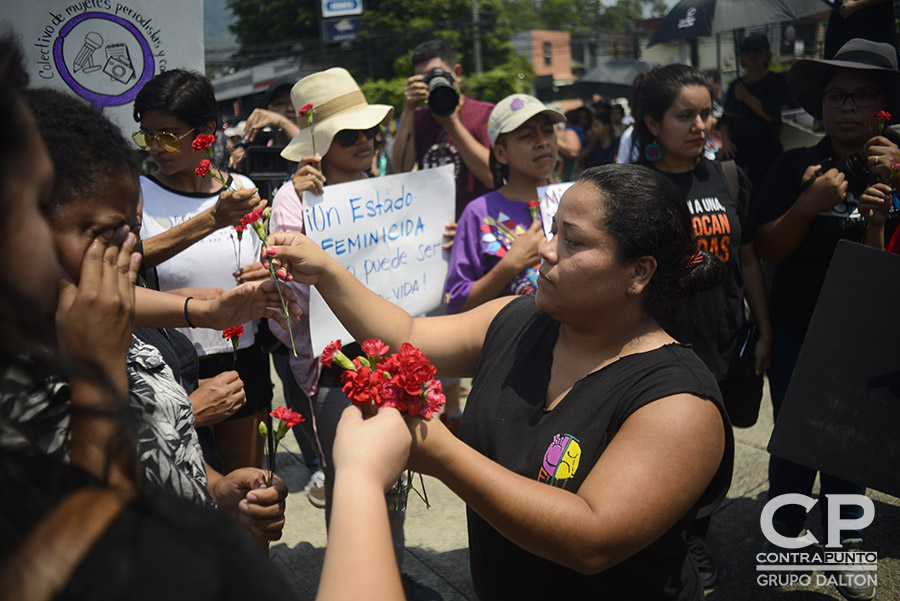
{"x": 721, "y": 224}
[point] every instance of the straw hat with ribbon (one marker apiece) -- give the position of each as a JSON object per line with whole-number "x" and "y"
{"x": 808, "y": 77}
{"x": 339, "y": 105}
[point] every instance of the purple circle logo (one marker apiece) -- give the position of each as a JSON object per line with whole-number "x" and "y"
{"x": 103, "y": 58}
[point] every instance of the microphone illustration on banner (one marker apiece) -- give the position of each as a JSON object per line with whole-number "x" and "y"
{"x": 85, "y": 59}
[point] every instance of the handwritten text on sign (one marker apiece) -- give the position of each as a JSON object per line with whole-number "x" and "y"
{"x": 550, "y": 196}
{"x": 388, "y": 232}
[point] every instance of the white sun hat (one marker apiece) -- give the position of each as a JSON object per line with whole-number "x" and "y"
{"x": 338, "y": 104}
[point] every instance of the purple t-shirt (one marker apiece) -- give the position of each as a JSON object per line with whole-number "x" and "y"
{"x": 435, "y": 148}
{"x": 487, "y": 229}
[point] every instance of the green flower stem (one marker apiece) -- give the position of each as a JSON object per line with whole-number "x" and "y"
{"x": 283, "y": 304}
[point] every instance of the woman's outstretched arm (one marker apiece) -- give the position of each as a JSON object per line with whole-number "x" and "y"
{"x": 452, "y": 342}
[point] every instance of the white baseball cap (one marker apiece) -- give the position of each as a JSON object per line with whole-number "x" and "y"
{"x": 513, "y": 111}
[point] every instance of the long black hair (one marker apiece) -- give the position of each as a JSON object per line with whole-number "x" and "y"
{"x": 655, "y": 95}
{"x": 646, "y": 215}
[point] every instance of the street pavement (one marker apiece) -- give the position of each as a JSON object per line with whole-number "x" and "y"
{"x": 437, "y": 547}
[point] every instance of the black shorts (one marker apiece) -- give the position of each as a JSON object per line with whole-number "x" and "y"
{"x": 253, "y": 367}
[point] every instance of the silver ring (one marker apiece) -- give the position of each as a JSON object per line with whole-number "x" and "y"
{"x": 876, "y": 158}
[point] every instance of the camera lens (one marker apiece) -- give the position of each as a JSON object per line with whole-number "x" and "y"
{"x": 442, "y": 94}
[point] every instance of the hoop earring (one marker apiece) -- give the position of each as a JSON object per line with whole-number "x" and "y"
{"x": 652, "y": 152}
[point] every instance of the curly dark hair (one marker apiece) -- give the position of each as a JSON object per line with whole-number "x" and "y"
{"x": 646, "y": 215}
{"x": 86, "y": 148}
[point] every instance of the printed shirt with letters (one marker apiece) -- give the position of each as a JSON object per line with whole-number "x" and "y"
{"x": 487, "y": 229}
{"x": 507, "y": 422}
{"x": 722, "y": 225}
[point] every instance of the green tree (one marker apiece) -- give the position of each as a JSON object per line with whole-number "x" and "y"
{"x": 269, "y": 29}
{"x": 575, "y": 16}
{"x": 392, "y": 28}
{"x": 625, "y": 12}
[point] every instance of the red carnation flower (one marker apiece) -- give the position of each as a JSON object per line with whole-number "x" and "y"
{"x": 363, "y": 385}
{"x": 203, "y": 167}
{"x": 375, "y": 348}
{"x": 411, "y": 369}
{"x": 289, "y": 417}
{"x": 203, "y": 141}
{"x": 240, "y": 228}
{"x": 232, "y": 333}
{"x": 391, "y": 395}
{"x": 882, "y": 115}
{"x": 533, "y": 203}
{"x": 435, "y": 397}
{"x": 305, "y": 109}
{"x": 252, "y": 217}
{"x": 328, "y": 353}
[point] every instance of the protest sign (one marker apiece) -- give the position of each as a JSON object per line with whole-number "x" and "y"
{"x": 842, "y": 406}
{"x": 106, "y": 50}
{"x": 388, "y": 232}
{"x": 550, "y": 196}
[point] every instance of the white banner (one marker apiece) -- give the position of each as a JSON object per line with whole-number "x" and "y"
{"x": 106, "y": 50}
{"x": 550, "y": 196}
{"x": 387, "y": 231}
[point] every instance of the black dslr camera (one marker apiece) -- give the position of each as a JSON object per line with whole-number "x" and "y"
{"x": 854, "y": 168}
{"x": 442, "y": 95}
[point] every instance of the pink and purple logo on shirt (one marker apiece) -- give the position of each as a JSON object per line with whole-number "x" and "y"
{"x": 560, "y": 460}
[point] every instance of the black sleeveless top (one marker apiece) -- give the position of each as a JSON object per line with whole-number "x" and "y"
{"x": 506, "y": 421}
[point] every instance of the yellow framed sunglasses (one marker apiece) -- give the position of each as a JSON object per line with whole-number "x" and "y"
{"x": 167, "y": 141}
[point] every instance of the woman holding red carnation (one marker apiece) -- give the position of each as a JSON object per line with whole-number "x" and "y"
{"x": 591, "y": 437}
{"x": 189, "y": 210}
{"x": 808, "y": 203}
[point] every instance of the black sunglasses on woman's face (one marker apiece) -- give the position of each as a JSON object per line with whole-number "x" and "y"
{"x": 348, "y": 137}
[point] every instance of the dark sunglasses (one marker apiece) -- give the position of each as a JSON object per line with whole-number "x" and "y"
{"x": 348, "y": 137}
{"x": 167, "y": 141}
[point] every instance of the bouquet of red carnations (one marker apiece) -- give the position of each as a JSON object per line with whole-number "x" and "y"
{"x": 404, "y": 380}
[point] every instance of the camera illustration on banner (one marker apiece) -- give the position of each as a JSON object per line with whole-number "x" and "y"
{"x": 118, "y": 60}
{"x": 103, "y": 58}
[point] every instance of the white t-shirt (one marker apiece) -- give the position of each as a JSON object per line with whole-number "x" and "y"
{"x": 208, "y": 263}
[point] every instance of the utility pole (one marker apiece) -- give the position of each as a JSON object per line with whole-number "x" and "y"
{"x": 476, "y": 34}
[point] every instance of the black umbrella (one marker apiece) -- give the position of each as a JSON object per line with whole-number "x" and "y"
{"x": 613, "y": 79}
{"x": 699, "y": 18}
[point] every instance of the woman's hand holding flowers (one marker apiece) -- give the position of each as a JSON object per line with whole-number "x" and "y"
{"x": 234, "y": 204}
